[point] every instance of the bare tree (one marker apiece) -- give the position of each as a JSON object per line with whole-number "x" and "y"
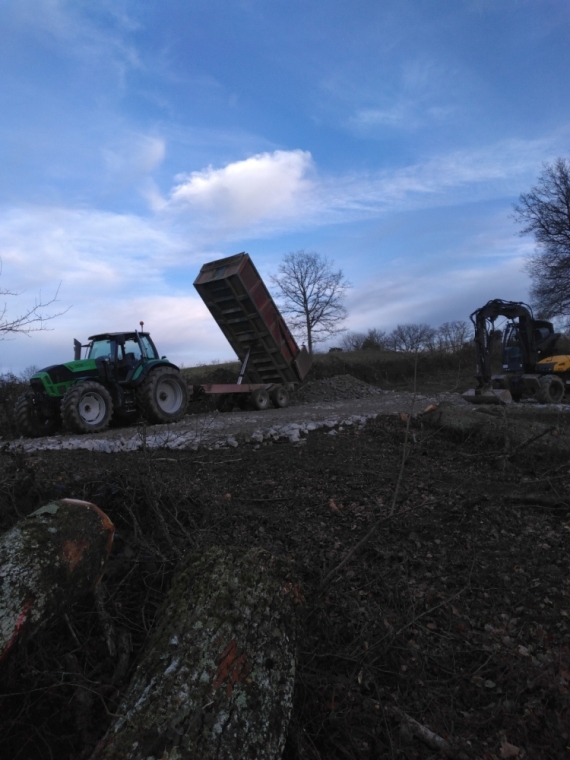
{"x": 312, "y": 294}
{"x": 451, "y": 336}
{"x": 375, "y": 339}
{"x": 372, "y": 339}
{"x": 32, "y": 319}
{"x": 352, "y": 341}
{"x": 545, "y": 212}
{"x": 412, "y": 337}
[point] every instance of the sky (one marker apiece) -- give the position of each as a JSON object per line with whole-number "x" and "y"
{"x": 139, "y": 140}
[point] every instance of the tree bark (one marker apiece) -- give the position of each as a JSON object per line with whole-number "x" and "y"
{"x": 216, "y": 678}
{"x": 48, "y": 560}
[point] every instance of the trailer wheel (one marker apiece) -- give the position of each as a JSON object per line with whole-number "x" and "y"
{"x": 260, "y": 399}
{"x": 280, "y": 397}
{"x": 163, "y": 396}
{"x": 551, "y": 390}
{"x": 86, "y": 407}
{"x": 29, "y": 419}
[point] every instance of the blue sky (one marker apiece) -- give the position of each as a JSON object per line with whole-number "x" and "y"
{"x": 139, "y": 140}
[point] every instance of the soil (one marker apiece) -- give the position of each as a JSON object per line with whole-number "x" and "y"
{"x": 432, "y": 558}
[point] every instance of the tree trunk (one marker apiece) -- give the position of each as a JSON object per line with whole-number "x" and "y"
{"x": 216, "y": 678}
{"x": 48, "y": 560}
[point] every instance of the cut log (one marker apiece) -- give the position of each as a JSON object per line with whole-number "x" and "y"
{"x": 48, "y": 560}
{"x": 506, "y": 429}
{"x": 216, "y": 678}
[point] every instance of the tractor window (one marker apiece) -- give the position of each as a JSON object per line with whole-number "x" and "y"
{"x": 132, "y": 349}
{"x": 100, "y": 348}
{"x": 150, "y": 350}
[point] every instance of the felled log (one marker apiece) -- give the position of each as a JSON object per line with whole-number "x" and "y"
{"x": 48, "y": 560}
{"x": 216, "y": 679}
{"x": 507, "y": 429}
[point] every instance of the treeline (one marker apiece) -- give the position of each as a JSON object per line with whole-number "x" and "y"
{"x": 420, "y": 337}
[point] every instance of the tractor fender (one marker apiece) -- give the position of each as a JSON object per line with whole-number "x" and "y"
{"x": 149, "y": 367}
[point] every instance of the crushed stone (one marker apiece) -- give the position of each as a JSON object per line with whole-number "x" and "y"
{"x": 337, "y": 388}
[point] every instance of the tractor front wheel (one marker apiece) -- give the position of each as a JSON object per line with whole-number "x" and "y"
{"x": 551, "y": 390}
{"x": 29, "y": 418}
{"x": 163, "y": 396}
{"x": 86, "y": 407}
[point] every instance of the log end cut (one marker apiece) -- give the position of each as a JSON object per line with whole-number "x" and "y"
{"x": 47, "y": 561}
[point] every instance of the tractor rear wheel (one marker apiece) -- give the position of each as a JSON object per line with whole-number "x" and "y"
{"x": 29, "y": 419}
{"x": 86, "y": 407}
{"x": 551, "y": 390}
{"x": 163, "y": 396}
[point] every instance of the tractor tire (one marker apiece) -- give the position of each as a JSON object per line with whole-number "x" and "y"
{"x": 280, "y": 397}
{"x": 30, "y": 422}
{"x": 87, "y": 407}
{"x": 163, "y": 396}
{"x": 551, "y": 390}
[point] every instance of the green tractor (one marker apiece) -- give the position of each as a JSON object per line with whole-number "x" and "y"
{"x": 121, "y": 377}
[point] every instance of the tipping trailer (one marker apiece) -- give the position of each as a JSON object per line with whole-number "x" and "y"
{"x": 271, "y": 361}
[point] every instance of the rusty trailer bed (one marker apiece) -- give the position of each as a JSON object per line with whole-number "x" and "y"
{"x": 239, "y": 301}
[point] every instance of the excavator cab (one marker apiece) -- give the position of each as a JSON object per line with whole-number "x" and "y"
{"x": 512, "y": 359}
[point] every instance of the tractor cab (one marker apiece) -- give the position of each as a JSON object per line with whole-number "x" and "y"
{"x": 123, "y": 353}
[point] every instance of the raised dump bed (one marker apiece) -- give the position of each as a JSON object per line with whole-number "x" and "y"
{"x": 239, "y": 301}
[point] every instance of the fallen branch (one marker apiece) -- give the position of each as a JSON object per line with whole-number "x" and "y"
{"x": 425, "y": 734}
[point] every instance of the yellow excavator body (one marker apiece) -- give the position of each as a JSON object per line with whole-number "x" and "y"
{"x": 556, "y": 364}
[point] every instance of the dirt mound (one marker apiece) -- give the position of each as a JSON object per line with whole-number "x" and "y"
{"x": 337, "y": 388}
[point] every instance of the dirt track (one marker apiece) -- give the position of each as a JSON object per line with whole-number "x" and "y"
{"x": 217, "y": 430}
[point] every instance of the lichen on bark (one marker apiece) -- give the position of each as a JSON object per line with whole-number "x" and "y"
{"x": 216, "y": 678}
{"x": 48, "y": 560}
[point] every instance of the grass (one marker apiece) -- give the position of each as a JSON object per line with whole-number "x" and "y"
{"x": 385, "y": 369}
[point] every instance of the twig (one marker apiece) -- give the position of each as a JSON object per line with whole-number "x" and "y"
{"x": 274, "y": 498}
{"x": 502, "y": 454}
{"x": 330, "y": 575}
{"x": 106, "y": 620}
{"x": 533, "y": 439}
{"x": 437, "y": 606}
{"x": 426, "y": 735}
{"x": 372, "y": 531}
{"x": 406, "y": 437}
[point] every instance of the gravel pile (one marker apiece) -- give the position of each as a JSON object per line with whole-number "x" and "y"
{"x": 338, "y": 388}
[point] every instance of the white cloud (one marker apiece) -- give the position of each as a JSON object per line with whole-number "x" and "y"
{"x": 92, "y": 250}
{"x": 284, "y": 192}
{"x": 264, "y": 187}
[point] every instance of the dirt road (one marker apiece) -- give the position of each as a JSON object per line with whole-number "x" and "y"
{"x": 215, "y": 429}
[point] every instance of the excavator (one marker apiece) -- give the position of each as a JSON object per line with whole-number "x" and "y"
{"x": 531, "y": 366}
